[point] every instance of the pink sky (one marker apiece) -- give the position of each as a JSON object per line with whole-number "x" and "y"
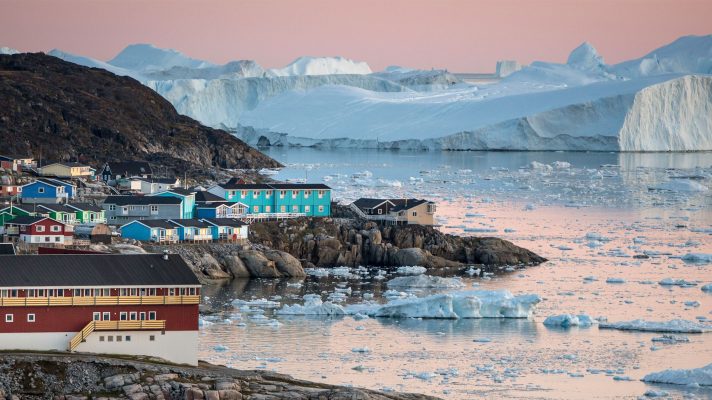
{"x": 460, "y": 35}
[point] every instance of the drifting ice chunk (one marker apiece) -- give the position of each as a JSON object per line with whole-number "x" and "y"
{"x": 415, "y": 270}
{"x": 425, "y": 281}
{"x": 676, "y": 282}
{"x": 312, "y": 306}
{"x": 707, "y": 288}
{"x": 697, "y": 258}
{"x": 568, "y": 320}
{"x": 469, "y": 304}
{"x": 681, "y": 185}
{"x": 692, "y": 377}
{"x": 615, "y": 280}
{"x": 675, "y": 325}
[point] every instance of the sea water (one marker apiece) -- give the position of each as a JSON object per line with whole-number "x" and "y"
{"x": 612, "y": 225}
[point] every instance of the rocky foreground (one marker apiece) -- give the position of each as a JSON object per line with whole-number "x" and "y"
{"x": 286, "y": 248}
{"x": 81, "y": 377}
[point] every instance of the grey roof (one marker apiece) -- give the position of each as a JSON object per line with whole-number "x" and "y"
{"x": 204, "y": 196}
{"x": 180, "y": 191}
{"x": 366, "y": 203}
{"x": 406, "y": 204}
{"x": 141, "y": 200}
{"x": 191, "y": 223}
{"x": 55, "y": 207}
{"x": 7, "y": 249}
{"x": 70, "y": 164}
{"x": 29, "y": 208}
{"x": 216, "y": 204}
{"x": 276, "y": 186}
{"x": 156, "y": 180}
{"x": 85, "y": 207}
{"x": 130, "y": 167}
{"x": 155, "y": 223}
{"x": 26, "y": 220}
{"x": 95, "y": 270}
{"x": 244, "y": 186}
{"x": 55, "y": 182}
{"x": 224, "y": 222}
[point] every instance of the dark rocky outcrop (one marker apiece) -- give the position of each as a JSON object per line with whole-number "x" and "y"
{"x": 67, "y": 112}
{"x": 327, "y": 242}
{"x": 83, "y": 377}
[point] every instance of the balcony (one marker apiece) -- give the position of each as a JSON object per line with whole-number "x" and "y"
{"x": 97, "y": 301}
{"x": 136, "y": 325}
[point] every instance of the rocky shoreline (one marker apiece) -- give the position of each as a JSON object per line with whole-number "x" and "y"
{"x": 81, "y": 377}
{"x": 283, "y": 249}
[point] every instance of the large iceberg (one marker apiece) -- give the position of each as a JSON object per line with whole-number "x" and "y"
{"x": 661, "y": 102}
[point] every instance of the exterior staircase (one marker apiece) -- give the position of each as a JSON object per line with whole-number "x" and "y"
{"x": 137, "y": 325}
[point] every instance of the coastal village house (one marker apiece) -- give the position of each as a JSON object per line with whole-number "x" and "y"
{"x": 68, "y": 170}
{"x": 115, "y": 170}
{"x": 10, "y": 190}
{"x": 170, "y": 231}
{"x": 88, "y": 213}
{"x": 277, "y": 199}
{"x": 16, "y": 164}
{"x": 48, "y": 190}
{"x": 147, "y": 185}
{"x": 39, "y": 230}
{"x": 396, "y": 211}
{"x": 58, "y": 212}
{"x": 122, "y": 209}
{"x": 143, "y": 304}
{"x": 187, "y": 198}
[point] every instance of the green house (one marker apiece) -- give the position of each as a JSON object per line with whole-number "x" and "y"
{"x": 17, "y": 210}
{"x": 86, "y": 213}
{"x": 59, "y": 212}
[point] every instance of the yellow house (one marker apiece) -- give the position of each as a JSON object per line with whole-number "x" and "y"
{"x": 67, "y": 170}
{"x": 396, "y": 211}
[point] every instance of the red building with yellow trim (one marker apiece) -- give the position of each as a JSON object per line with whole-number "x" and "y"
{"x": 144, "y": 304}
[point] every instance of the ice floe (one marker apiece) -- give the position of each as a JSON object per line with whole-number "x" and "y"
{"x": 675, "y": 325}
{"x": 313, "y": 305}
{"x": 425, "y": 281}
{"x": 697, "y": 258}
{"x": 411, "y": 270}
{"x": 690, "y": 377}
{"x": 676, "y": 282}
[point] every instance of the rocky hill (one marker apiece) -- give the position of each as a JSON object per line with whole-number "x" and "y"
{"x": 82, "y": 377}
{"x": 66, "y": 112}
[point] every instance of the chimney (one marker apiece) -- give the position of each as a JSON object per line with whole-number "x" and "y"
{"x": 165, "y": 255}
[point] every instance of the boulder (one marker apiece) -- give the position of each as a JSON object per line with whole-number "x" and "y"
{"x": 286, "y": 264}
{"x": 236, "y": 267}
{"x": 412, "y": 256}
{"x": 258, "y": 265}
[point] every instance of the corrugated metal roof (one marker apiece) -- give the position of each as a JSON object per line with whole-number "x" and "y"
{"x": 67, "y": 270}
{"x": 205, "y": 196}
{"x": 191, "y": 223}
{"x": 27, "y": 220}
{"x": 154, "y": 223}
{"x": 85, "y": 207}
{"x": 233, "y": 222}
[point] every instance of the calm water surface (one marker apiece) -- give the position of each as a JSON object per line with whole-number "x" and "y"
{"x": 549, "y": 208}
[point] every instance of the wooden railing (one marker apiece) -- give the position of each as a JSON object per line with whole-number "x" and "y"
{"x": 97, "y": 301}
{"x": 138, "y": 325}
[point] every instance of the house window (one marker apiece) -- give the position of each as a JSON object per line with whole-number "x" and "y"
{"x": 106, "y": 316}
{"x": 243, "y": 194}
{"x": 40, "y": 228}
{"x": 282, "y": 193}
{"x": 307, "y": 193}
{"x": 152, "y": 291}
{"x": 295, "y": 208}
{"x": 40, "y": 190}
{"x": 101, "y": 338}
{"x": 321, "y": 193}
{"x": 133, "y": 315}
{"x": 110, "y": 338}
{"x": 46, "y": 239}
{"x": 255, "y": 194}
{"x": 152, "y": 315}
{"x": 171, "y": 292}
{"x": 268, "y": 209}
{"x": 8, "y": 317}
{"x": 321, "y": 208}
{"x": 294, "y": 194}
{"x": 57, "y": 239}
{"x": 380, "y": 211}
{"x": 191, "y": 291}
{"x": 154, "y": 209}
{"x": 112, "y": 207}
{"x": 123, "y": 316}
{"x": 128, "y": 338}
{"x": 152, "y": 338}
{"x": 283, "y": 208}
{"x": 55, "y": 228}
{"x": 142, "y": 315}
{"x": 415, "y": 213}
{"x": 256, "y": 209}
{"x": 268, "y": 193}
{"x": 125, "y": 210}
{"x": 96, "y": 316}
{"x": 30, "y": 317}
{"x": 118, "y": 338}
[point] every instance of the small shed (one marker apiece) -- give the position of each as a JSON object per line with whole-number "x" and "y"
{"x": 94, "y": 233}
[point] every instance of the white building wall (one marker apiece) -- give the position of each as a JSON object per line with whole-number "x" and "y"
{"x": 179, "y": 347}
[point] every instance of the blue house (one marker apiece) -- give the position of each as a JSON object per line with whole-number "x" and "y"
{"x": 193, "y": 230}
{"x": 48, "y": 190}
{"x": 227, "y": 228}
{"x": 150, "y": 230}
{"x": 188, "y": 197}
{"x": 220, "y": 210}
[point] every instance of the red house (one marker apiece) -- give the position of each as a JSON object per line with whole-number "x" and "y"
{"x": 39, "y": 230}
{"x": 144, "y": 304}
{"x": 10, "y": 190}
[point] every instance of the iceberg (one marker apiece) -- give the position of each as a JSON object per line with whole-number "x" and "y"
{"x": 690, "y": 377}
{"x": 411, "y": 270}
{"x": 697, "y": 258}
{"x": 569, "y": 320}
{"x": 466, "y": 304}
{"x": 8, "y": 50}
{"x": 672, "y": 326}
{"x": 322, "y": 66}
